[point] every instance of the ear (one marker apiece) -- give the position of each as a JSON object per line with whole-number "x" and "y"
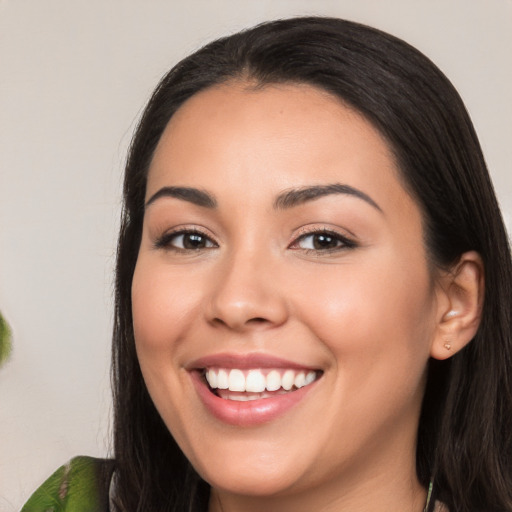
{"x": 460, "y": 295}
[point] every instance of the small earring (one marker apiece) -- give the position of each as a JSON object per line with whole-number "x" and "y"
{"x": 451, "y": 314}
{"x": 447, "y": 346}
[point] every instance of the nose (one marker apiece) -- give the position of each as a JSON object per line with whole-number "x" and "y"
{"x": 246, "y": 294}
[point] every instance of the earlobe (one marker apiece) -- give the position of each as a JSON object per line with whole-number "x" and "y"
{"x": 460, "y": 304}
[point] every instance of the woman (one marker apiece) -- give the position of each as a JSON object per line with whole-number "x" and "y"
{"x": 301, "y": 315}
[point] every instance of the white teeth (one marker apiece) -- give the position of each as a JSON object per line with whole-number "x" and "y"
{"x": 310, "y": 377}
{"x": 243, "y": 398}
{"x": 239, "y": 398}
{"x": 211, "y": 377}
{"x": 300, "y": 380}
{"x": 222, "y": 380}
{"x": 236, "y": 380}
{"x": 273, "y": 381}
{"x": 257, "y": 380}
{"x": 246, "y": 397}
{"x": 287, "y": 380}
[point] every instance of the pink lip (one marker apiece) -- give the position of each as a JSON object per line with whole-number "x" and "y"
{"x": 251, "y": 413}
{"x": 244, "y": 361}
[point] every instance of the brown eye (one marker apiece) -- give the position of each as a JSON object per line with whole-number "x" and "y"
{"x": 323, "y": 241}
{"x": 194, "y": 241}
{"x": 185, "y": 241}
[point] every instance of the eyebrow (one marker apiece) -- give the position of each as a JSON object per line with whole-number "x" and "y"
{"x": 295, "y": 197}
{"x": 285, "y": 200}
{"x": 190, "y": 194}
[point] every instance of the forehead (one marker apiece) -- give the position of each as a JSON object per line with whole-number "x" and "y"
{"x": 285, "y": 135}
{"x": 277, "y": 111}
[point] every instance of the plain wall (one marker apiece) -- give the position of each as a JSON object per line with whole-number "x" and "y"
{"x": 74, "y": 76}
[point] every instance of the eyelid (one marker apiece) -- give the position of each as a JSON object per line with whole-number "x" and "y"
{"x": 347, "y": 242}
{"x": 163, "y": 241}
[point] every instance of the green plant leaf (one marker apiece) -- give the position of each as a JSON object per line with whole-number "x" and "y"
{"x": 75, "y": 487}
{"x": 5, "y": 340}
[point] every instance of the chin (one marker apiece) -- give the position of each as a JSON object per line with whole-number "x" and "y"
{"x": 250, "y": 482}
{"x": 252, "y": 472}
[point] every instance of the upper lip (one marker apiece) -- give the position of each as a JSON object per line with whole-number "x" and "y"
{"x": 245, "y": 361}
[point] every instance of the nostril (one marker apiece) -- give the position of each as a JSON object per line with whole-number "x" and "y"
{"x": 250, "y": 323}
{"x": 243, "y": 307}
{"x": 257, "y": 320}
{"x": 218, "y": 321}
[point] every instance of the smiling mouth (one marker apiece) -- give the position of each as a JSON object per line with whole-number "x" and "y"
{"x": 255, "y": 384}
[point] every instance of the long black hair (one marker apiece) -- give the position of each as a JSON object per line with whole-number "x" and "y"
{"x": 465, "y": 432}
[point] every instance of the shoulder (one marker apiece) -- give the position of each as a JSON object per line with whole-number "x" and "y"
{"x": 80, "y": 485}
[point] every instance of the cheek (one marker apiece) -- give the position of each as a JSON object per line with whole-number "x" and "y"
{"x": 377, "y": 328}
{"x": 163, "y": 307}
{"x": 162, "y": 311}
{"x": 372, "y": 320}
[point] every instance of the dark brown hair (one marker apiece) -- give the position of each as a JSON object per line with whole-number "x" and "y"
{"x": 465, "y": 432}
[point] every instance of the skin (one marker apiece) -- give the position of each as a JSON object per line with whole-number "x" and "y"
{"x": 368, "y": 314}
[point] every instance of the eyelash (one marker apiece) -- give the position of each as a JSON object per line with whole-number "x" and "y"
{"x": 342, "y": 242}
{"x": 165, "y": 241}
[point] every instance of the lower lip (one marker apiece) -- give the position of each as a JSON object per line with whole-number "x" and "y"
{"x": 252, "y": 412}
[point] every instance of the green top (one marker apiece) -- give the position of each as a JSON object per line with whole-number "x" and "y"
{"x": 81, "y": 485}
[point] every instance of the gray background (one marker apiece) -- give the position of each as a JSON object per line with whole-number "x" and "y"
{"x": 74, "y": 76}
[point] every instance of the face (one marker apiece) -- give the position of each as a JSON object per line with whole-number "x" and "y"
{"x": 282, "y": 259}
